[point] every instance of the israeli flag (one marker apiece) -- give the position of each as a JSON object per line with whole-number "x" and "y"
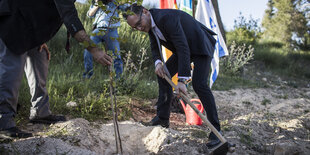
{"x": 206, "y": 15}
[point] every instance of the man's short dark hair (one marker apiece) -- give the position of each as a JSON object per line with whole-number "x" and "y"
{"x": 135, "y": 8}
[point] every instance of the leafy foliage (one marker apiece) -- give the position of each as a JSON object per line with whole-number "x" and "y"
{"x": 245, "y": 31}
{"x": 282, "y": 60}
{"x": 134, "y": 41}
{"x": 285, "y": 23}
{"x": 239, "y": 55}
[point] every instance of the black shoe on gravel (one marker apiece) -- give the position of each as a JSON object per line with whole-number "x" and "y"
{"x": 14, "y": 132}
{"x": 157, "y": 121}
{"x": 50, "y": 119}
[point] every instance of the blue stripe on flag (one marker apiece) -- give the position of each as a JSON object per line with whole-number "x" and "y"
{"x": 212, "y": 24}
{"x": 214, "y": 75}
{"x": 221, "y": 50}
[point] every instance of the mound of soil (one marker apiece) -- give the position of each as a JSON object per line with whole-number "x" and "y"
{"x": 273, "y": 120}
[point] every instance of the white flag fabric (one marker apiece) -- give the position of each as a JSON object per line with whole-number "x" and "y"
{"x": 206, "y": 15}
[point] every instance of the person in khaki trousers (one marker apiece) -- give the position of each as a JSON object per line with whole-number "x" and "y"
{"x": 35, "y": 64}
{"x": 36, "y": 69}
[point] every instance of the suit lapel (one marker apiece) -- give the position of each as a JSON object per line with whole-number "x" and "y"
{"x": 157, "y": 15}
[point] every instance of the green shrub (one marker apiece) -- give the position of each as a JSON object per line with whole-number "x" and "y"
{"x": 283, "y": 60}
{"x": 134, "y": 41}
{"x": 245, "y": 31}
{"x": 239, "y": 55}
{"x": 133, "y": 82}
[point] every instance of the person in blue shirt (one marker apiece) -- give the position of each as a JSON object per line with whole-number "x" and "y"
{"x": 108, "y": 35}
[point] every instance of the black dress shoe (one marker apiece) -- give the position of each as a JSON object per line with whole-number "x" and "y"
{"x": 212, "y": 143}
{"x": 50, "y": 119}
{"x": 157, "y": 121}
{"x": 213, "y": 140}
{"x": 14, "y": 132}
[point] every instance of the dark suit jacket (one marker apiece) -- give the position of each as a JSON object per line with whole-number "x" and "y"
{"x": 25, "y": 24}
{"x": 185, "y": 37}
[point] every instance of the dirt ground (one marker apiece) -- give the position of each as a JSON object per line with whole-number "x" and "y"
{"x": 273, "y": 120}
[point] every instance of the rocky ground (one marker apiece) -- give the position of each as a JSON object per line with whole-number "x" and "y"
{"x": 271, "y": 120}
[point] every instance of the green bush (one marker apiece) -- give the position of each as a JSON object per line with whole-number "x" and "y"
{"x": 245, "y": 32}
{"x": 134, "y": 41}
{"x": 283, "y": 60}
{"x": 239, "y": 55}
{"x": 132, "y": 81}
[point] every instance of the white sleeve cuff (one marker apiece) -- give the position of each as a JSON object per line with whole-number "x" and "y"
{"x": 184, "y": 77}
{"x": 157, "y": 61}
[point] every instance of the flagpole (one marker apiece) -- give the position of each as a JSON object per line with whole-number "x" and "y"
{"x": 193, "y": 5}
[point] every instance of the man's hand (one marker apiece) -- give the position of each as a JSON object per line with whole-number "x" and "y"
{"x": 44, "y": 46}
{"x": 181, "y": 87}
{"x": 159, "y": 70}
{"x": 100, "y": 56}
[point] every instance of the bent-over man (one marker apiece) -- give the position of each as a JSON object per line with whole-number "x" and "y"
{"x": 189, "y": 41}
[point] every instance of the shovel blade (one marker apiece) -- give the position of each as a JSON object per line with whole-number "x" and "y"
{"x": 221, "y": 149}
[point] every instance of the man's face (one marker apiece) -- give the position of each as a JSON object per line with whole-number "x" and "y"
{"x": 140, "y": 22}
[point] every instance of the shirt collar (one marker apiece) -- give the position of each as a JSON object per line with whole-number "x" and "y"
{"x": 152, "y": 22}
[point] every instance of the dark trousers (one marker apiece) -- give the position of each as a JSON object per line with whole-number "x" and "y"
{"x": 200, "y": 85}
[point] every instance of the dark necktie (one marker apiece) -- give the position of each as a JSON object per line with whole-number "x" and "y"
{"x": 161, "y": 54}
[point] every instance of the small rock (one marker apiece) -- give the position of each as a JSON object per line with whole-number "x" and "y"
{"x": 285, "y": 148}
{"x": 71, "y": 104}
{"x": 306, "y": 123}
{"x": 243, "y": 147}
{"x": 257, "y": 73}
{"x": 264, "y": 79}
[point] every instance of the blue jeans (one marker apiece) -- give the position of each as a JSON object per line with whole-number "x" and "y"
{"x": 112, "y": 44}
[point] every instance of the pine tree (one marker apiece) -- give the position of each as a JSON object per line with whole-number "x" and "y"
{"x": 283, "y": 22}
{"x": 267, "y": 19}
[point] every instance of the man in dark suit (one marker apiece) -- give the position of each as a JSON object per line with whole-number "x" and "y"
{"x": 24, "y": 25}
{"x": 189, "y": 41}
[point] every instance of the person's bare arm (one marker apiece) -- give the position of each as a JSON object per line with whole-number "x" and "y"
{"x": 93, "y": 10}
{"x": 99, "y": 55}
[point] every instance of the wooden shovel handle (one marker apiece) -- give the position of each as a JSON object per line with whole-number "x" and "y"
{"x": 203, "y": 117}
